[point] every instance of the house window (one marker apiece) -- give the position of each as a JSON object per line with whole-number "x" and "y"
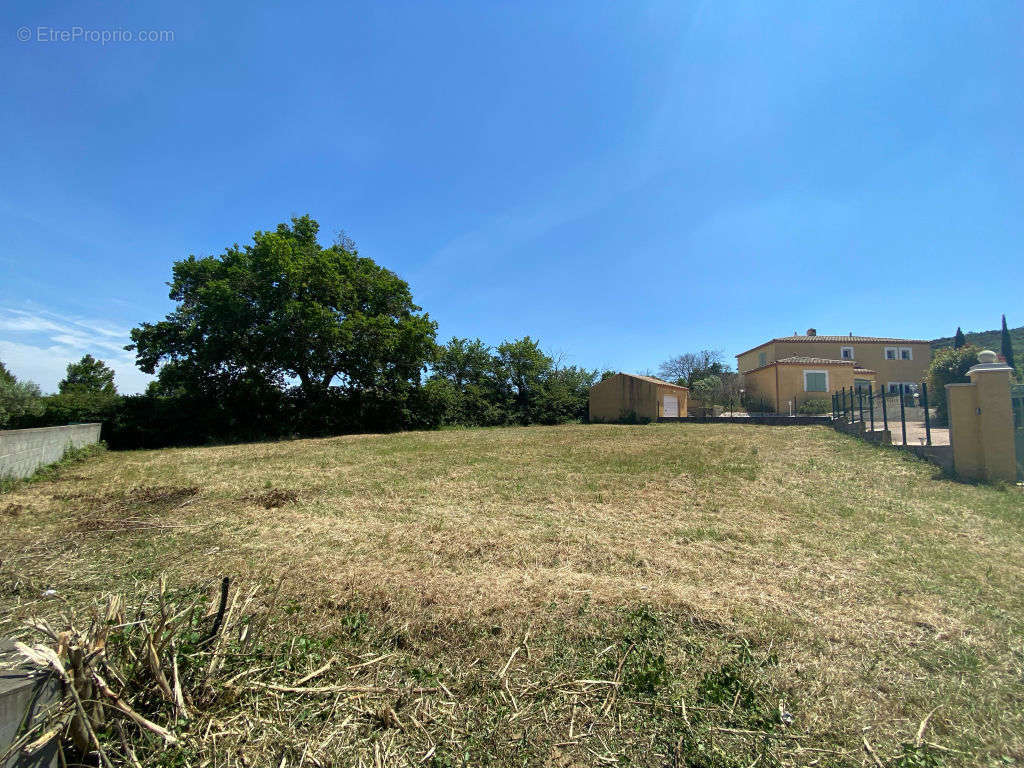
{"x": 892, "y": 353}
{"x": 909, "y": 387}
{"x": 906, "y": 353}
{"x": 762, "y": 359}
{"x": 847, "y": 353}
{"x": 815, "y": 381}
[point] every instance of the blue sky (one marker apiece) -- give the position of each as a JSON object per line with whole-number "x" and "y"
{"x": 623, "y": 181}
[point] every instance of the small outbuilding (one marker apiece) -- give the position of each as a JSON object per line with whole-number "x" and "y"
{"x": 626, "y": 396}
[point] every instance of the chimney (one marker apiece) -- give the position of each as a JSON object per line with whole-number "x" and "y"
{"x": 811, "y": 332}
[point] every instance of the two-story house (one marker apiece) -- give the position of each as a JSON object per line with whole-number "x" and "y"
{"x": 787, "y": 371}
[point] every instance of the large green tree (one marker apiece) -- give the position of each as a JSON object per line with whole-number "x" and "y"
{"x": 465, "y": 362}
{"x": 535, "y": 388}
{"x": 285, "y": 308}
{"x": 464, "y": 381}
{"x": 88, "y": 375}
{"x": 959, "y": 340}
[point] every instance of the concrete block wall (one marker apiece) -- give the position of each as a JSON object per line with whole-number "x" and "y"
{"x": 23, "y": 451}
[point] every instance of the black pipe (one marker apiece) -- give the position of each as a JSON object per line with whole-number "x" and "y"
{"x": 927, "y": 421}
{"x": 903, "y": 415}
{"x": 871, "y": 405}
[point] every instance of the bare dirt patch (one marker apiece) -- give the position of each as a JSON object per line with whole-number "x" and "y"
{"x": 12, "y": 510}
{"x": 274, "y": 498}
{"x": 137, "y": 508}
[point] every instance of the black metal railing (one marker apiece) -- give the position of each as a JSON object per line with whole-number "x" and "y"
{"x": 849, "y": 404}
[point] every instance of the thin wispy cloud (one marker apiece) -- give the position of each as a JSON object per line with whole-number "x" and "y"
{"x": 24, "y": 322}
{"x": 38, "y": 344}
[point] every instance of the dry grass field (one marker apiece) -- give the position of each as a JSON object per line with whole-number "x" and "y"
{"x": 662, "y": 595}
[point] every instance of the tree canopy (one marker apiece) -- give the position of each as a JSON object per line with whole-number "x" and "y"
{"x": 707, "y": 390}
{"x": 17, "y": 398}
{"x": 285, "y": 308}
{"x": 515, "y": 383}
{"x": 948, "y": 366}
{"x": 88, "y": 375}
{"x": 690, "y": 367}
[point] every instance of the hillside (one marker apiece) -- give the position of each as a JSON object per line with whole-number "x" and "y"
{"x": 665, "y": 595}
{"x": 989, "y": 340}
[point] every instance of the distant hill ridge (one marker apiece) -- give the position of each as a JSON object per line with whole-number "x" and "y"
{"x": 989, "y": 340}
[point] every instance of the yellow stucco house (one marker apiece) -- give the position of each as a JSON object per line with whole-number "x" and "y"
{"x": 787, "y": 371}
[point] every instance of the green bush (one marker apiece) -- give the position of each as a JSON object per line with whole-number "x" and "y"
{"x": 814, "y": 406}
{"x": 18, "y": 399}
{"x": 949, "y": 366}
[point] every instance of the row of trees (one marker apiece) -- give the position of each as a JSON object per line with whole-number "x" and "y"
{"x": 516, "y": 383}
{"x": 285, "y": 337}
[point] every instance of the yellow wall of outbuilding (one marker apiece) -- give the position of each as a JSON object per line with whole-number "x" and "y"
{"x": 621, "y": 395}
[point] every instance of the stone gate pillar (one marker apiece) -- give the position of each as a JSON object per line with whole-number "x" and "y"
{"x": 981, "y": 422}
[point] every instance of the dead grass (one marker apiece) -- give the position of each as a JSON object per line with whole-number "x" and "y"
{"x": 789, "y": 567}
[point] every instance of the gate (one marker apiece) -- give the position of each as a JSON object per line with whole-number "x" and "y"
{"x": 1017, "y": 398}
{"x": 902, "y": 409}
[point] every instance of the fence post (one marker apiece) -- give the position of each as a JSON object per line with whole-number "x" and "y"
{"x": 844, "y": 402}
{"x": 833, "y": 406}
{"x": 903, "y": 416}
{"x": 871, "y": 405}
{"x": 860, "y": 404}
{"x": 927, "y": 421}
{"x": 885, "y": 413}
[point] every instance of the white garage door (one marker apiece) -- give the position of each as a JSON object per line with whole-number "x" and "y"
{"x": 670, "y": 406}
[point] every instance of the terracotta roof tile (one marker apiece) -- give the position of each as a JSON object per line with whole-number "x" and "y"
{"x": 839, "y": 340}
{"x": 814, "y": 360}
{"x": 801, "y": 360}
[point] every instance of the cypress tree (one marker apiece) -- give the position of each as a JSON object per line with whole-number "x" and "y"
{"x": 1007, "y": 349}
{"x": 959, "y": 340}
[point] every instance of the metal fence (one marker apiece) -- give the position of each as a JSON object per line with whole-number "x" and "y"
{"x": 904, "y": 412}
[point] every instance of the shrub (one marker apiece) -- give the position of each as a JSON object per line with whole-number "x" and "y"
{"x": 949, "y": 366}
{"x": 814, "y": 406}
{"x": 78, "y": 406}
